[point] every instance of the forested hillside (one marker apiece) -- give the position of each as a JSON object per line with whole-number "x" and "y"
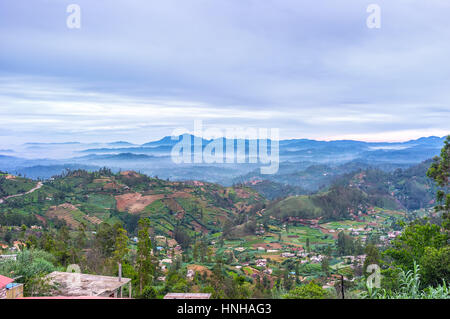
{"x": 336, "y": 204}
{"x": 403, "y": 188}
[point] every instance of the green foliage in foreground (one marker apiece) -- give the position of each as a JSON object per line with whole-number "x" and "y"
{"x": 409, "y": 288}
{"x": 440, "y": 172}
{"x": 425, "y": 244}
{"x": 30, "y": 267}
{"x": 308, "y": 291}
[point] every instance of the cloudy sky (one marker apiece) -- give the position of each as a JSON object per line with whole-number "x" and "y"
{"x": 138, "y": 69}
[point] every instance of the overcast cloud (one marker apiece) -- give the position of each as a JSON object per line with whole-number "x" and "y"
{"x": 136, "y": 70}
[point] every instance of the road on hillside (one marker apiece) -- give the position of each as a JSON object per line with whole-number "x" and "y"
{"x": 38, "y": 185}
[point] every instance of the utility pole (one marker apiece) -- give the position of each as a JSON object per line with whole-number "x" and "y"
{"x": 342, "y": 282}
{"x": 120, "y": 279}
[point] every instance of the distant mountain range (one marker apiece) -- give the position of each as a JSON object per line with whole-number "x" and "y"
{"x": 154, "y": 158}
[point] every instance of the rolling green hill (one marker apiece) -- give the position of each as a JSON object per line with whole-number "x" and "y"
{"x": 13, "y": 185}
{"x": 409, "y": 188}
{"x": 335, "y": 204}
{"x": 90, "y": 198}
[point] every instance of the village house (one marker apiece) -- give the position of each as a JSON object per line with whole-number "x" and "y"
{"x": 394, "y": 234}
{"x": 287, "y": 255}
{"x": 190, "y": 274}
{"x": 165, "y": 261}
{"x": 352, "y": 259}
{"x": 12, "y": 256}
{"x": 260, "y": 231}
{"x": 261, "y": 262}
{"x": 316, "y": 259}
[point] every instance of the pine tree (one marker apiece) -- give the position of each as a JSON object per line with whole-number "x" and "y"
{"x": 440, "y": 172}
{"x": 143, "y": 258}
{"x": 121, "y": 245}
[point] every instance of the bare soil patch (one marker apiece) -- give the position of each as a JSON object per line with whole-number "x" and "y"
{"x": 135, "y": 202}
{"x": 93, "y": 219}
{"x": 63, "y": 212}
{"x": 200, "y": 269}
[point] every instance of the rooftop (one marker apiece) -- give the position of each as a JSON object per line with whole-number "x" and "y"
{"x": 5, "y": 281}
{"x": 76, "y": 284}
{"x": 187, "y": 296}
{"x": 68, "y": 297}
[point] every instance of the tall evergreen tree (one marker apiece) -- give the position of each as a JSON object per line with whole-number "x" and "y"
{"x": 144, "y": 260}
{"x": 121, "y": 245}
{"x": 440, "y": 172}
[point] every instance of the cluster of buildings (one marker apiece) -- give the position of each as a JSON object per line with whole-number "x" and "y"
{"x": 260, "y": 230}
{"x": 16, "y": 246}
{"x": 359, "y": 260}
{"x": 390, "y": 236}
{"x": 261, "y": 262}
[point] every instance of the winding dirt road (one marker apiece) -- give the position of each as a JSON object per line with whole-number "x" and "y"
{"x": 38, "y": 185}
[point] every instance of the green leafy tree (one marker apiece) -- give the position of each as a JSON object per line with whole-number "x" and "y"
{"x": 325, "y": 265}
{"x": 418, "y": 243}
{"x": 373, "y": 256}
{"x": 121, "y": 245}
{"x": 105, "y": 239}
{"x": 81, "y": 238}
{"x": 61, "y": 247}
{"x": 8, "y": 237}
{"x": 410, "y": 245}
{"x": 409, "y": 288}
{"x": 308, "y": 291}
{"x": 345, "y": 244}
{"x": 149, "y": 293}
{"x": 435, "y": 265}
{"x": 31, "y": 267}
